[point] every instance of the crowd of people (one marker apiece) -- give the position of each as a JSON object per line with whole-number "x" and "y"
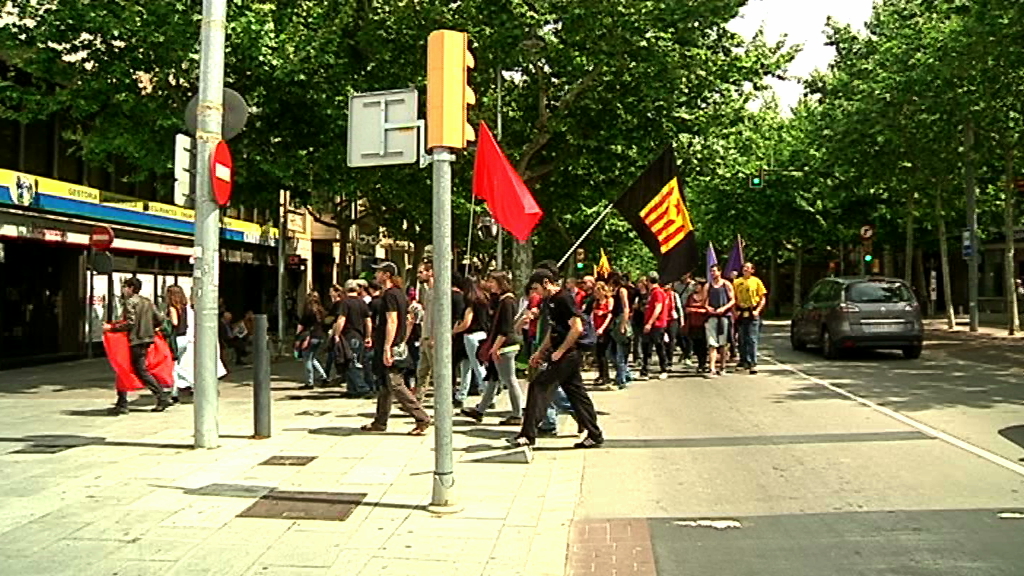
{"x": 377, "y": 336}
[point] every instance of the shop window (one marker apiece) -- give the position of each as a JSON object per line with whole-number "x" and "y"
{"x": 39, "y": 148}
{"x": 10, "y": 135}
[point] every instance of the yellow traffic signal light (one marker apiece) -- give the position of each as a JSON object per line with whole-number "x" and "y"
{"x": 448, "y": 91}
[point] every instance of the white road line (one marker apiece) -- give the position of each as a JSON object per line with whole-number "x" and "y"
{"x": 926, "y": 429}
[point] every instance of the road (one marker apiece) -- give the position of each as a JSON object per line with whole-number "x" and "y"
{"x": 869, "y": 465}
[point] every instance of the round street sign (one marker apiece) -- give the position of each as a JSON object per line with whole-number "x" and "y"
{"x": 867, "y": 232}
{"x": 236, "y": 112}
{"x": 221, "y": 173}
{"x": 102, "y": 238}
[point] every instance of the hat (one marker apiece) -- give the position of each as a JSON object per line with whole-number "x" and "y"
{"x": 352, "y": 286}
{"x": 653, "y": 277}
{"x": 388, "y": 267}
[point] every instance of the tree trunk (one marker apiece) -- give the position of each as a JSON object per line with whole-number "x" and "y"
{"x": 889, "y": 262}
{"x": 947, "y": 282}
{"x": 773, "y": 282}
{"x": 1013, "y": 324}
{"x": 522, "y": 264}
{"x": 923, "y": 289}
{"x": 908, "y": 264}
{"x": 798, "y": 269}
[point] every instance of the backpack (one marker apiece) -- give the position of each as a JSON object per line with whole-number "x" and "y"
{"x": 588, "y": 339}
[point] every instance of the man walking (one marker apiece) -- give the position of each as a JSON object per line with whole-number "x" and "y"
{"x": 656, "y": 317}
{"x": 425, "y": 370}
{"x": 389, "y": 337}
{"x": 559, "y": 361}
{"x": 139, "y": 319}
{"x": 720, "y": 298}
{"x": 751, "y": 297}
{"x": 354, "y": 327}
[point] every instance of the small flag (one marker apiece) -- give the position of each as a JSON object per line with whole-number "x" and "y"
{"x": 498, "y": 184}
{"x": 735, "y": 263}
{"x": 604, "y": 267}
{"x": 655, "y": 205}
{"x": 712, "y": 260}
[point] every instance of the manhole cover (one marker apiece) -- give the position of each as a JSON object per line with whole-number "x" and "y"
{"x": 41, "y": 449}
{"x": 287, "y": 460}
{"x": 286, "y": 505}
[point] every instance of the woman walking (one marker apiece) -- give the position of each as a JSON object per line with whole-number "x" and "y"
{"x": 621, "y": 329}
{"x": 504, "y": 348}
{"x": 309, "y": 337}
{"x": 602, "y": 317}
{"x": 696, "y": 318}
{"x": 473, "y": 327}
{"x": 178, "y": 318}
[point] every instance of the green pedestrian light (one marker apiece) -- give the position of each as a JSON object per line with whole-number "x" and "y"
{"x": 579, "y": 265}
{"x": 868, "y": 257}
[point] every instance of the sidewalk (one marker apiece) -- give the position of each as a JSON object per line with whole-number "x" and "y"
{"x": 88, "y": 494}
{"x": 962, "y": 330}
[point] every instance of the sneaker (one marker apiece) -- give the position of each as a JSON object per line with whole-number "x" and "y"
{"x": 161, "y": 404}
{"x": 753, "y": 370}
{"x": 519, "y": 442}
{"x": 663, "y": 376}
{"x": 472, "y": 413}
{"x": 118, "y": 410}
{"x": 589, "y": 442}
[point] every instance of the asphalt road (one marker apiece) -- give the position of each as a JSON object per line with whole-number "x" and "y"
{"x": 868, "y": 465}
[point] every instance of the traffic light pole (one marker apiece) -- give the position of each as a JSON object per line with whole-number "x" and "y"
{"x": 972, "y": 226}
{"x": 207, "y": 234}
{"x": 443, "y": 500}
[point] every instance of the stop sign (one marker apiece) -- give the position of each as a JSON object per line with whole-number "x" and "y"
{"x": 221, "y": 173}
{"x": 102, "y": 238}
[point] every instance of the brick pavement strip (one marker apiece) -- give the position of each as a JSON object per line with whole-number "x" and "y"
{"x": 617, "y": 547}
{"x": 129, "y": 496}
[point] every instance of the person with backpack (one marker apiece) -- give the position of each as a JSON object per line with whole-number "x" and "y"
{"x": 559, "y": 359}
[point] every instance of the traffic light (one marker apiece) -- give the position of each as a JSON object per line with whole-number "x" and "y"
{"x": 868, "y": 258}
{"x": 757, "y": 181}
{"x": 448, "y": 91}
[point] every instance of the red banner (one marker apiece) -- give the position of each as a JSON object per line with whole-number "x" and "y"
{"x": 159, "y": 360}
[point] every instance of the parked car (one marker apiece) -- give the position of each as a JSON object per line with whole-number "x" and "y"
{"x": 846, "y": 313}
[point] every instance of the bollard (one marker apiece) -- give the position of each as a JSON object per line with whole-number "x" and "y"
{"x": 261, "y": 378}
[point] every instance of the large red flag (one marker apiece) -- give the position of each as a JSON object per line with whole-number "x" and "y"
{"x": 159, "y": 361}
{"x": 498, "y": 184}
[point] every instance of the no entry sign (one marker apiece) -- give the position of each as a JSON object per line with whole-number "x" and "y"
{"x": 102, "y": 238}
{"x": 221, "y": 173}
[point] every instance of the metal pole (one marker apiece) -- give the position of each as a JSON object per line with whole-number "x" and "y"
{"x": 261, "y": 378}
{"x": 972, "y": 225}
{"x": 442, "y": 499}
{"x": 501, "y": 233}
{"x": 91, "y": 307}
{"x": 282, "y": 241}
{"x": 469, "y": 235}
{"x": 585, "y": 234}
{"x": 207, "y": 240}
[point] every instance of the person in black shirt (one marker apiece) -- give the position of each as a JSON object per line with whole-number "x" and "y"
{"x": 329, "y": 321}
{"x": 310, "y": 334}
{"x": 504, "y": 348}
{"x": 389, "y": 335}
{"x": 473, "y": 328}
{"x": 563, "y": 361}
{"x": 353, "y": 328}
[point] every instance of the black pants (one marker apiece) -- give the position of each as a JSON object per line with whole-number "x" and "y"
{"x": 673, "y": 339}
{"x": 699, "y": 345}
{"x": 601, "y": 357}
{"x": 138, "y": 357}
{"x": 656, "y": 339}
{"x": 564, "y": 373}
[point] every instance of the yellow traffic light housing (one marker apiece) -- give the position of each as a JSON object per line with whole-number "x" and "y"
{"x": 448, "y": 91}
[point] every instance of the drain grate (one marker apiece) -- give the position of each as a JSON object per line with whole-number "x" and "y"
{"x": 288, "y": 505}
{"x": 287, "y": 460}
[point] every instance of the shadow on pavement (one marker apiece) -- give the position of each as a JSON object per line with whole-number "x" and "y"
{"x": 936, "y": 380}
{"x": 1014, "y": 434}
{"x": 67, "y": 441}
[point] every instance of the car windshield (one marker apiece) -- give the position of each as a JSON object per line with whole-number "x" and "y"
{"x": 878, "y": 293}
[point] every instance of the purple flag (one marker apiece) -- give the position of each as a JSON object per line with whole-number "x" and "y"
{"x": 712, "y": 260}
{"x": 735, "y": 263}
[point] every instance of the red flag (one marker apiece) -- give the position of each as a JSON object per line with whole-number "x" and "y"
{"x": 498, "y": 184}
{"x": 159, "y": 361}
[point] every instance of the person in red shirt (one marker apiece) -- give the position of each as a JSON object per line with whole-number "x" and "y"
{"x": 602, "y": 318}
{"x": 656, "y": 318}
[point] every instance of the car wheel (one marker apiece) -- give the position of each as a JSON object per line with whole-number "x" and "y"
{"x": 912, "y": 352}
{"x": 795, "y": 341}
{"x": 828, "y": 346}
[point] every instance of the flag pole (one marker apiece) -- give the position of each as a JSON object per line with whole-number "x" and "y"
{"x": 587, "y": 233}
{"x": 469, "y": 236}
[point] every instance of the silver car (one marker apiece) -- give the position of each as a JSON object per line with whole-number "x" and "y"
{"x": 846, "y": 313}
